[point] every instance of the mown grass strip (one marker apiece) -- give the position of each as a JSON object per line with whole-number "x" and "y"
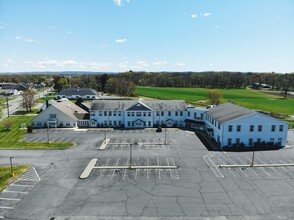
{"x": 244, "y": 97}
{"x": 5, "y": 174}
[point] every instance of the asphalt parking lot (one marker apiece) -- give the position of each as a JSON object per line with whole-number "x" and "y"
{"x": 198, "y": 188}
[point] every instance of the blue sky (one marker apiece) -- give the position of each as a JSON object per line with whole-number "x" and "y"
{"x": 147, "y": 35}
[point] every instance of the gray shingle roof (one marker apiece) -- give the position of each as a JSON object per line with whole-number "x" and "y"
{"x": 78, "y": 91}
{"x": 70, "y": 109}
{"x": 228, "y": 112}
{"x": 122, "y": 105}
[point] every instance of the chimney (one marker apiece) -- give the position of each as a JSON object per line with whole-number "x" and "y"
{"x": 47, "y": 103}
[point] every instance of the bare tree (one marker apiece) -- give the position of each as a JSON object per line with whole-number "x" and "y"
{"x": 214, "y": 97}
{"x": 28, "y": 99}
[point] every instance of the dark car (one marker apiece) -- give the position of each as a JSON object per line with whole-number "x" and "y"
{"x": 159, "y": 129}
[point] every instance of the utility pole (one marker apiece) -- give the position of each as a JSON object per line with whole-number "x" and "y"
{"x": 7, "y": 105}
{"x": 12, "y": 174}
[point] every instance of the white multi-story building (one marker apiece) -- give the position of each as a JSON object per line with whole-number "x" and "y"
{"x": 144, "y": 114}
{"x": 230, "y": 124}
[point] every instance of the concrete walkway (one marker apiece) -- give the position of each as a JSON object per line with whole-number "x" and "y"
{"x": 88, "y": 169}
{"x": 104, "y": 144}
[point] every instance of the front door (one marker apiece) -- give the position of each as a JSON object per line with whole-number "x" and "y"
{"x": 139, "y": 124}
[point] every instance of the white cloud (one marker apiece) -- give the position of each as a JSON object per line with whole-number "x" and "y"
{"x": 121, "y": 40}
{"x": 193, "y": 15}
{"x": 142, "y": 63}
{"x": 29, "y": 40}
{"x": 118, "y": 2}
{"x": 68, "y": 62}
{"x": 180, "y": 64}
{"x": 18, "y": 37}
{"x": 206, "y": 14}
{"x": 158, "y": 63}
{"x": 47, "y": 62}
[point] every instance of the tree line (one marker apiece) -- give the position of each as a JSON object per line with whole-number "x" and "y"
{"x": 125, "y": 83}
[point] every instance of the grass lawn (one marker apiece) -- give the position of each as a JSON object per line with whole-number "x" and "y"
{"x": 34, "y": 111}
{"x": 5, "y": 174}
{"x": 12, "y": 138}
{"x": 244, "y": 97}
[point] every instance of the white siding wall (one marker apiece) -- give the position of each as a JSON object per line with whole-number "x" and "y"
{"x": 63, "y": 120}
{"x": 256, "y": 119}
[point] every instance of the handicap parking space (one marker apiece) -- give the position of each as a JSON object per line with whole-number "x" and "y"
{"x": 214, "y": 159}
{"x": 17, "y": 190}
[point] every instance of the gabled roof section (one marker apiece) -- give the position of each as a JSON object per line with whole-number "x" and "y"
{"x": 228, "y": 112}
{"x": 167, "y": 105}
{"x": 69, "y": 108}
{"x": 122, "y": 105}
{"x": 139, "y": 106}
{"x": 78, "y": 91}
{"x": 112, "y": 105}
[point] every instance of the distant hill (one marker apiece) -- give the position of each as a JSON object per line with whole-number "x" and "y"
{"x": 60, "y": 72}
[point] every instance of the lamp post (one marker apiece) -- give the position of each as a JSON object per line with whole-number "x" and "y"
{"x": 165, "y": 136}
{"x": 105, "y": 136}
{"x": 252, "y": 162}
{"x": 131, "y": 158}
{"x": 48, "y": 135}
{"x": 12, "y": 174}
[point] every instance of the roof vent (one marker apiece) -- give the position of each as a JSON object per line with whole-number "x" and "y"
{"x": 68, "y": 105}
{"x": 78, "y": 89}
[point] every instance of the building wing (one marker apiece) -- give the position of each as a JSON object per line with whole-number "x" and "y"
{"x": 228, "y": 112}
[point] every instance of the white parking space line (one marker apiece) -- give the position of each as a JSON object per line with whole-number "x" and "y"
{"x": 8, "y": 191}
{"x": 61, "y": 139}
{"x": 272, "y": 168}
{"x": 228, "y": 168}
{"x": 136, "y": 172}
{"x": 75, "y": 140}
{"x": 238, "y": 168}
{"x": 53, "y": 139}
{"x": 102, "y": 171}
{"x": 126, "y": 169}
{"x": 20, "y": 185}
{"x": 114, "y": 169}
{"x": 147, "y": 172}
{"x": 67, "y": 140}
{"x": 37, "y": 139}
{"x": 159, "y": 176}
{"x": 242, "y": 162}
{"x": 6, "y": 207}
{"x": 12, "y": 199}
{"x": 173, "y": 172}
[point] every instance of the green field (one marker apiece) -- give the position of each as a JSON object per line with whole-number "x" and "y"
{"x": 5, "y": 174}
{"x": 244, "y": 97}
{"x": 12, "y": 138}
